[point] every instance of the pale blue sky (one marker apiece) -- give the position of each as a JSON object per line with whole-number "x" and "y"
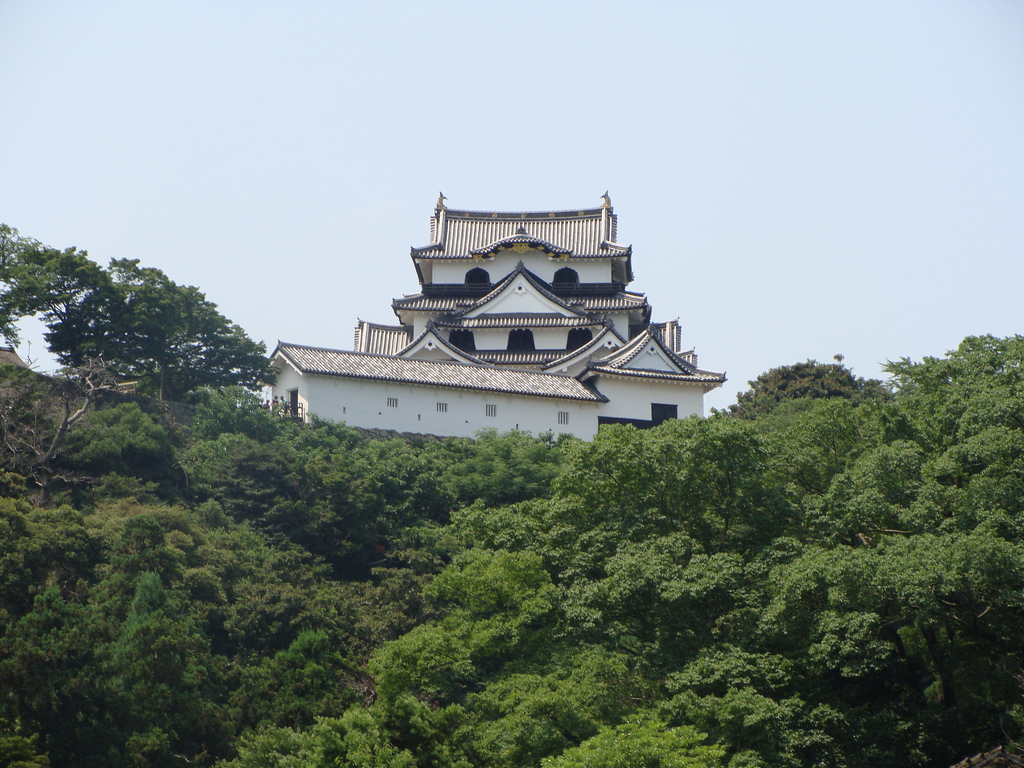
{"x": 797, "y": 179}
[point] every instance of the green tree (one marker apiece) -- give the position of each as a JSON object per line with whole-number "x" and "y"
{"x": 36, "y": 414}
{"x": 641, "y": 743}
{"x": 18, "y": 751}
{"x": 176, "y": 341}
{"x": 143, "y": 325}
{"x": 165, "y": 684}
{"x": 501, "y": 469}
{"x": 124, "y": 440}
{"x": 807, "y": 380}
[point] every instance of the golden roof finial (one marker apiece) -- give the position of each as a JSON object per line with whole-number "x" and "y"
{"x": 607, "y": 200}
{"x": 440, "y": 201}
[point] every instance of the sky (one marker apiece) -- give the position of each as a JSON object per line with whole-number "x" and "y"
{"x": 797, "y": 179}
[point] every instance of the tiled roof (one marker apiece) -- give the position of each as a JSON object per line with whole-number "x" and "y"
{"x": 619, "y": 301}
{"x": 519, "y": 321}
{"x": 533, "y": 357}
{"x": 622, "y": 357}
{"x": 617, "y": 362}
{"x": 698, "y": 376}
{"x": 520, "y": 239}
{"x": 442, "y": 343}
{"x": 421, "y": 303}
{"x": 381, "y": 339}
{"x": 361, "y": 365}
{"x": 595, "y": 344}
{"x": 583, "y": 233}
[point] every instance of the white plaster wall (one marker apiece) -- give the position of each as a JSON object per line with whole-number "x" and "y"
{"x": 589, "y": 270}
{"x": 288, "y": 379}
{"x": 490, "y": 338}
{"x": 631, "y": 398}
{"x": 364, "y": 403}
{"x": 620, "y": 322}
{"x": 518, "y": 297}
{"x": 550, "y": 338}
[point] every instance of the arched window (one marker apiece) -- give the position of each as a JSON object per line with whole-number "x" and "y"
{"x": 462, "y": 339}
{"x": 566, "y": 276}
{"x": 477, "y": 276}
{"x": 577, "y": 338}
{"x": 520, "y": 340}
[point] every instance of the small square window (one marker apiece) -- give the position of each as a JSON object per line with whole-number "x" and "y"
{"x": 563, "y": 417}
{"x": 491, "y": 410}
{"x": 442, "y": 407}
{"x": 392, "y": 402}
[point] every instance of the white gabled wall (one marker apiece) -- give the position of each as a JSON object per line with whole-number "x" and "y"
{"x": 287, "y": 380}
{"x": 414, "y": 408}
{"x": 631, "y": 398}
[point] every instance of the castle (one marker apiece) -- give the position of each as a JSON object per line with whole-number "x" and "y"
{"x": 523, "y": 322}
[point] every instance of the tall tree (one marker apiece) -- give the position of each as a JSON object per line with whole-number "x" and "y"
{"x": 176, "y": 340}
{"x": 144, "y": 325}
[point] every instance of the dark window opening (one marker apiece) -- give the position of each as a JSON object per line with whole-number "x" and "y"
{"x": 477, "y": 276}
{"x": 566, "y": 276}
{"x": 462, "y": 339}
{"x": 662, "y": 412}
{"x": 577, "y": 338}
{"x": 520, "y": 340}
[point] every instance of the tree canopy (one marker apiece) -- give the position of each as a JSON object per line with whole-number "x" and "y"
{"x": 803, "y": 382}
{"x": 833, "y": 581}
{"x": 144, "y": 326}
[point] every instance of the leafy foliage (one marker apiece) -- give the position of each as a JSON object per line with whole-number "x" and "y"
{"x": 831, "y": 580}
{"x": 809, "y": 380}
{"x": 168, "y": 337}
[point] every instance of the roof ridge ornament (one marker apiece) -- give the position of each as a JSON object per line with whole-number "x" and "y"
{"x": 607, "y": 200}
{"x": 440, "y": 202}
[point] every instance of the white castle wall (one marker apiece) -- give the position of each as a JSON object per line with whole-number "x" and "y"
{"x": 631, "y": 398}
{"x": 365, "y": 403}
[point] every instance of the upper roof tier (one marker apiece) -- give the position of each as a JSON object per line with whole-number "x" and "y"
{"x": 577, "y": 234}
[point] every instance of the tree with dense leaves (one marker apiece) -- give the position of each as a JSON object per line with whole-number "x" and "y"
{"x": 809, "y": 380}
{"x": 37, "y": 413}
{"x": 835, "y": 582}
{"x": 142, "y": 324}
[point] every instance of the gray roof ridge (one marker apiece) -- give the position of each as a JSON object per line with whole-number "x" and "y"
{"x": 616, "y": 246}
{"x": 625, "y": 353}
{"x": 621, "y": 357}
{"x": 360, "y": 321}
{"x": 415, "y": 360}
{"x": 699, "y": 376}
{"x": 568, "y": 213}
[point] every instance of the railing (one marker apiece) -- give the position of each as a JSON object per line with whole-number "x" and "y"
{"x": 587, "y": 289}
{"x": 457, "y": 290}
{"x": 298, "y": 412}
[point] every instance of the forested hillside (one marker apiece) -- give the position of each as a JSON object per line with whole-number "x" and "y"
{"x": 829, "y": 574}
